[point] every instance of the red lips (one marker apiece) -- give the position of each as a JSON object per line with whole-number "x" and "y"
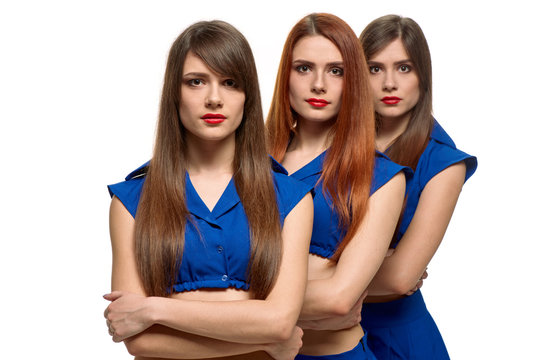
{"x": 317, "y": 102}
{"x": 213, "y": 118}
{"x": 391, "y": 100}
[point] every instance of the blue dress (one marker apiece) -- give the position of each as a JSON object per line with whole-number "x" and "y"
{"x": 327, "y": 235}
{"x": 404, "y": 329}
{"x": 217, "y": 251}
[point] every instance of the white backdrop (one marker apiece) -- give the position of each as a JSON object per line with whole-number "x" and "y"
{"x": 79, "y": 89}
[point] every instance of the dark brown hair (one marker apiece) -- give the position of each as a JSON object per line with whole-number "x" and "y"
{"x": 162, "y": 213}
{"x": 409, "y": 146}
{"x": 348, "y": 166}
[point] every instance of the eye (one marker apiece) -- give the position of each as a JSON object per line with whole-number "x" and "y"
{"x": 302, "y": 68}
{"x": 405, "y": 68}
{"x": 194, "y": 82}
{"x": 336, "y": 71}
{"x": 374, "y": 69}
{"x": 230, "y": 83}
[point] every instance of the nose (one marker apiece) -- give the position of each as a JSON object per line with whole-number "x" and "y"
{"x": 214, "y": 99}
{"x": 319, "y": 83}
{"x": 390, "y": 81}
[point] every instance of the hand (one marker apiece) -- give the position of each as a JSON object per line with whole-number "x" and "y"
{"x": 419, "y": 283}
{"x": 286, "y": 350}
{"x": 353, "y": 318}
{"x": 126, "y": 314}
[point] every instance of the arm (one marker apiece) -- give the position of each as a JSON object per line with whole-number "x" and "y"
{"x": 401, "y": 271}
{"x": 353, "y": 318}
{"x": 155, "y": 341}
{"x": 248, "y": 322}
{"x": 337, "y": 295}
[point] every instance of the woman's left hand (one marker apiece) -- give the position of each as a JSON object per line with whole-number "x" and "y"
{"x": 126, "y": 315}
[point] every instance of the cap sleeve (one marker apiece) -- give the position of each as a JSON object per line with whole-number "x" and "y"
{"x": 289, "y": 192}
{"x": 128, "y": 192}
{"x": 440, "y": 156}
{"x": 385, "y": 170}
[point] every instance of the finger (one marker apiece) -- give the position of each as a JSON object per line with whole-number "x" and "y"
{"x": 364, "y": 295}
{"x": 113, "y": 295}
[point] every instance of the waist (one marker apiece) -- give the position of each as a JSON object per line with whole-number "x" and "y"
{"x": 383, "y": 298}
{"x": 259, "y": 355}
{"x": 394, "y": 312}
{"x": 230, "y": 294}
{"x": 330, "y": 342}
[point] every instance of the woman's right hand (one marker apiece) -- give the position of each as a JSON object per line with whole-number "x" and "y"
{"x": 419, "y": 283}
{"x": 286, "y": 350}
{"x": 353, "y": 318}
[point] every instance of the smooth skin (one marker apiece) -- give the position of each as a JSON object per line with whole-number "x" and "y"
{"x": 335, "y": 291}
{"x": 393, "y": 74}
{"x": 209, "y": 323}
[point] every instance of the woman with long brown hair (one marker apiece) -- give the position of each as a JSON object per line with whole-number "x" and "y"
{"x": 321, "y": 129}
{"x": 209, "y": 245}
{"x": 398, "y": 322}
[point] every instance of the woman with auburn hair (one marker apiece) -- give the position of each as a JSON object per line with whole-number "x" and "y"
{"x": 398, "y": 322}
{"x": 209, "y": 246}
{"x": 321, "y": 128}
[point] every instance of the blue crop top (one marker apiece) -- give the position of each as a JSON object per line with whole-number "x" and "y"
{"x": 327, "y": 235}
{"x": 439, "y": 154}
{"x": 220, "y": 258}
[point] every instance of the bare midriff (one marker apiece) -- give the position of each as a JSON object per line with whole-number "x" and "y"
{"x": 328, "y": 342}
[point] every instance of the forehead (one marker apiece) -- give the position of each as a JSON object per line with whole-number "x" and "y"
{"x": 394, "y": 51}
{"x": 316, "y": 48}
{"x": 194, "y": 64}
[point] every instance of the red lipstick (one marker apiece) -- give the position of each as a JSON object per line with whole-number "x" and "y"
{"x": 213, "y": 118}
{"x": 391, "y": 100}
{"x": 317, "y": 102}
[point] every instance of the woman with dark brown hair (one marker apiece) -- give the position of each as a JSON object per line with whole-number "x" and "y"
{"x": 398, "y": 322}
{"x": 321, "y": 129}
{"x": 209, "y": 245}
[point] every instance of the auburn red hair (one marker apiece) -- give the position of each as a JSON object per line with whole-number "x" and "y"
{"x": 348, "y": 166}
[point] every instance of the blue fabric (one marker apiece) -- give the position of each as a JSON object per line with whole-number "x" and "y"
{"x": 439, "y": 154}
{"x": 403, "y": 329}
{"x": 217, "y": 248}
{"x": 327, "y": 235}
{"x": 360, "y": 352}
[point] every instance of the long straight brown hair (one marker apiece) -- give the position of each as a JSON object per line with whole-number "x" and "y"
{"x": 408, "y": 147}
{"x": 162, "y": 213}
{"x": 348, "y": 166}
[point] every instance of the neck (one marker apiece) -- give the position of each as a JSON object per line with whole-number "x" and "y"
{"x": 313, "y": 137}
{"x": 210, "y": 156}
{"x": 389, "y": 130}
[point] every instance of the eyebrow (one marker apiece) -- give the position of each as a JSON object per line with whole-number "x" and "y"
{"x": 370, "y": 62}
{"x": 310, "y": 63}
{"x": 195, "y": 74}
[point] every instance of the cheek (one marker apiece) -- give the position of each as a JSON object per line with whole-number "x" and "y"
{"x": 238, "y": 104}
{"x": 294, "y": 86}
{"x": 185, "y": 110}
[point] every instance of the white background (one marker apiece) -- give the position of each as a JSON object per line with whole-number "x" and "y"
{"x": 80, "y": 84}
